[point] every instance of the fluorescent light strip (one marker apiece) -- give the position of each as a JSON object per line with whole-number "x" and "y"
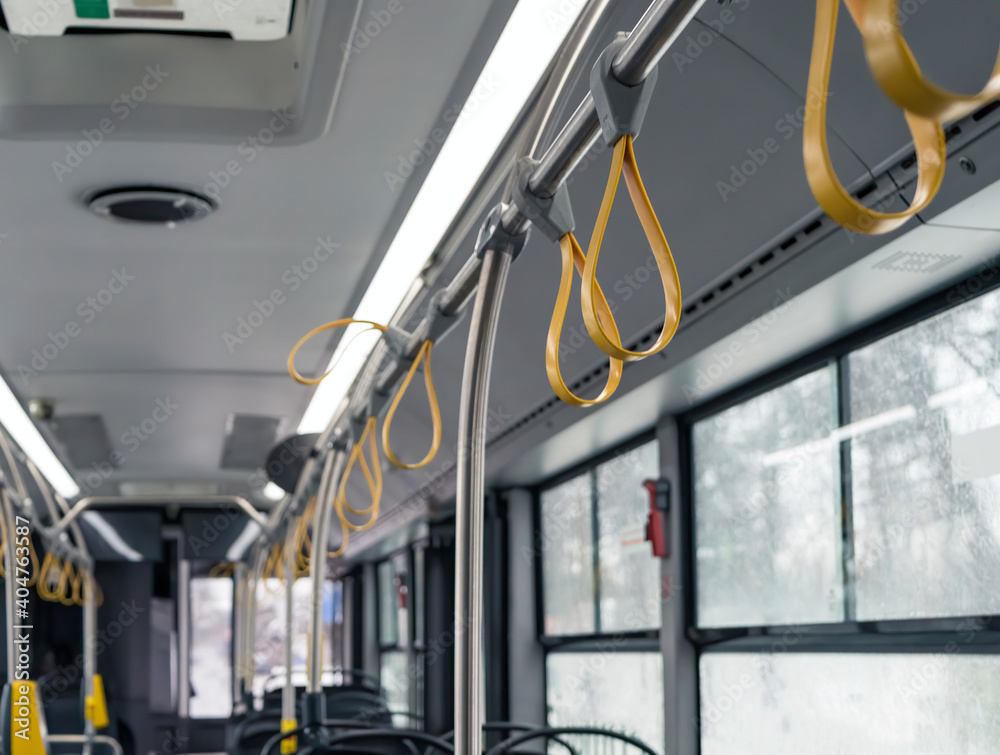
{"x": 273, "y": 492}
{"x": 111, "y": 536}
{"x": 243, "y": 542}
{"x": 26, "y": 435}
{"x": 531, "y": 38}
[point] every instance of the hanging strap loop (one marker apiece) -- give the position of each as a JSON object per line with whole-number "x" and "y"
{"x": 373, "y": 476}
{"x": 624, "y": 162}
{"x": 897, "y": 72}
{"x": 424, "y": 355}
{"x": 836, "y": 201}
{"x": 328, "y": 326}
{"x": 572, "y": 257}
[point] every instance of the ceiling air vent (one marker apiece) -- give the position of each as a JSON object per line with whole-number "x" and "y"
{"x": 249, "y": 439}
{"x": 150, "y": 204}
{"x": 85, "y": 439}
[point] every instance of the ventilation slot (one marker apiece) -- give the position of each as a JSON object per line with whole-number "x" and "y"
{"x": 984, "y": 111}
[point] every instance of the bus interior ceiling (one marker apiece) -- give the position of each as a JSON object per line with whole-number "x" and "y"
{"x": 273, "y": 177}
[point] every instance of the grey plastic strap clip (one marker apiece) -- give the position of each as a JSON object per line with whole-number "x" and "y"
{"x": 620, "y": 108}
{"x": 440, "y": 324}
{"x": 494, "y": 237}
{"x": 552, "y": 216}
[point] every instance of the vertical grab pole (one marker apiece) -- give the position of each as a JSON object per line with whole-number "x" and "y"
{"x": 239, "y": 622}
{"x": 470, "y": 494}
{"x": 288, "y": 692}
{"x": 314, "y": 708}
{"x": 249, "y": 662}
{"x": 89, "y": 651}
{"x": 10, "y": 583}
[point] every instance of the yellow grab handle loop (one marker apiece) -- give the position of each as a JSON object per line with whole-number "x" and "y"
{"x": 624, "y": 162}
{"x": 76, "y": 598}
{"x": 373, "y": 474}
{"x": 329, "y": 326}
{"x": 897, "y": 72}
{"x": 928, "y": 140}
{"x": 65, "y": 578}
{"x": 424, "y": 355}
{"x": 374, "y": 486}
{"x": 47, "y": 588}
{"x": 572, "y": 256}
{"x": 33, "y": 579}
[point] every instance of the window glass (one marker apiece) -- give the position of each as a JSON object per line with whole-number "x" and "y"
{"x": 612, "y": 689}
{"x": 767, "y": 509}
{"x": 394, "y": 676}
{"x": 388, "y": 619}
{"x": 629, "y": 576}
{"x": 418, "y": 596}
{"x": 269, "y": 648}
{"x": 774, "y": 703}
{"x": 568, "y": 557}
{"x": 394, "y": 601}
{"x": 211, "y": 666}
{"x": 924, "y": 432}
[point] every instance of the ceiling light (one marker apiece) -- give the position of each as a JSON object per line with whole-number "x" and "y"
{"x": 111, "y": 536}
{"x": 529, "y": 41}
{"x": 272, "y": 492}
{"x": 26, "y": 435}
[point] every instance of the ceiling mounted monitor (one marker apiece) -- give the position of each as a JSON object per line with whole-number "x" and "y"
{"x": 239, "y": 19}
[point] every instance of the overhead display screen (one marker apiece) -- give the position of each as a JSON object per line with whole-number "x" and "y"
{"x": 241, "y": 19}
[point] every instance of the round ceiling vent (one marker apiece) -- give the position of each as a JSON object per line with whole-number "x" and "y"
{"x": 151, "y": 204}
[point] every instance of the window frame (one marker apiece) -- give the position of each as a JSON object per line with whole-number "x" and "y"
{"x": 416, "y": 647}
{"x": 922, "y": 635}
{"x": 645, "y": 641}
{"x": 587, "y": 467}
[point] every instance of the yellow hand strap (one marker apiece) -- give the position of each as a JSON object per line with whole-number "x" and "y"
{"x": 424, "y": 355}
{"x": 329, "y": 326}
{"x": 33, "y": 579}
{"x": 624, "y": 162}
{"x": 42, "y": 585}
{"x": 928, "y": 139}
{"x": 374, "y": 486}
{"x": 897, "y": 71}
{"x": 572, "y": 257}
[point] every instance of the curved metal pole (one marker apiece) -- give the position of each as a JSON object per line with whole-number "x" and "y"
{"x": 206, "y": 501}
{"x": 9, "y": 582}
{"x": 288, "y": 693}
{"x": 249, "y": 663}
{"x": 469, "y": 503}
{"x": 239, "y": 632}
{"x": 332, "y": 470}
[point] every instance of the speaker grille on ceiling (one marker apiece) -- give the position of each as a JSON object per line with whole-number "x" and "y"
{"x": 85, "y": 439}
{"x": 249, "y": 439}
